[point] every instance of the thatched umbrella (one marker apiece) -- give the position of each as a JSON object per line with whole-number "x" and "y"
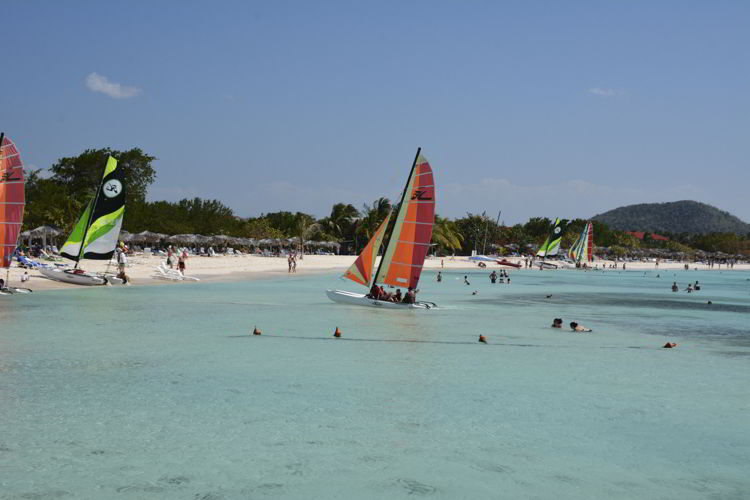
{"x": 43, "y": 232}
{"x": 148, "y": 237}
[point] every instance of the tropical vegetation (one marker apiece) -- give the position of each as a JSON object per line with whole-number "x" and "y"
{"x": 56, "y": 196}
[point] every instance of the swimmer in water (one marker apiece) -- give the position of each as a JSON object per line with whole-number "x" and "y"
{"x": 557, "y": 323}
{"x": 578, "y": 328}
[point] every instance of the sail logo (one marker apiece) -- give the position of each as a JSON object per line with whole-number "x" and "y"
{"x": 8, "y": 176}
{"x": 420, "y": 195}
{"x": 112, "y": 188}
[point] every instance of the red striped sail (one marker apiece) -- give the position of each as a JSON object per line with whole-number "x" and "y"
{"x": 410, "y": 240}
{"x": 11, "y": 198}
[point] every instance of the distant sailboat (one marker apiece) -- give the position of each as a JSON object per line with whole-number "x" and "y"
{"x": 551, "y": 245}
{"x": 12, "y": 202}
{"x": 405, "y": 252}
{"x": 583, "y": 248}
{"x": 97, "y": 230}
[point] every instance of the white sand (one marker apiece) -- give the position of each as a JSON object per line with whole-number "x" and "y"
{"x": 141, "y": 267}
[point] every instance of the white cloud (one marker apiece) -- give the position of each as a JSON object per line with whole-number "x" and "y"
{"x": 99, "y": 83}
{"x": 605, "y": 92}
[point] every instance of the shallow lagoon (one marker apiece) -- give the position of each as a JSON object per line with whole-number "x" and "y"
{"x": 159, "y": 392}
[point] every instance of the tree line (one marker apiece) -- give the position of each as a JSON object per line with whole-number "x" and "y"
{"x": 58, "y": 195}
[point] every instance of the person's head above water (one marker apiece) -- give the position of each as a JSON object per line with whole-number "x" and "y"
{"x": 573, "y": 324}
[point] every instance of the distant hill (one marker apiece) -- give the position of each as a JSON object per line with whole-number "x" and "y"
{"x": 674, "y": 217}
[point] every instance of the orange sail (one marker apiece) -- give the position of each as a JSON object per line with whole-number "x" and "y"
{"x": 410, "y": 240}
{"x": 11, "y": 198}
{"x": 361, "y": 270}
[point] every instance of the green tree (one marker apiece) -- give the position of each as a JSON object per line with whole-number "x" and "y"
{"x": 446, "y": 236}
{"x": 81, "y": 174}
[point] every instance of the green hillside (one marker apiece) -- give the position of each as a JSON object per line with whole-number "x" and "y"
{"x": 673, "y": 217}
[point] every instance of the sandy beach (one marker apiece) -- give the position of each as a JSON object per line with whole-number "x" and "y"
{"x": 233, "y": 268}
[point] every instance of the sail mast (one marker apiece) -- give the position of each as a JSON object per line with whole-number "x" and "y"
{"x": 2, "y": 159}
{"x": 403, "y": 197}
{"x": 88, "y": 221}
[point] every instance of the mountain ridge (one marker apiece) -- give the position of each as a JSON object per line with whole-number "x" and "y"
{"x": 676, "y": 217}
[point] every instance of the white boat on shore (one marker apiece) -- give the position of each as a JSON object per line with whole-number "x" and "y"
{"x": 95, "y": 234}
{"x": 73, "y": 276}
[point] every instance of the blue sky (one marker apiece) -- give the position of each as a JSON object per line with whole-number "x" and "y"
{"x": 533, "y": 108}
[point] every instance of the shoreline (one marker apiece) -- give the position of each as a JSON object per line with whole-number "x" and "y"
{"x": 220, "y": 269}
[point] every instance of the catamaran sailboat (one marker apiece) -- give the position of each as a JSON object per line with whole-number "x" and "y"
{"x": 96, "y": 232}
{"x": 583, "y": 248}
{"x": 12, "y": 201}
{"x": 550, "y": 247}
{"x": 406, "y": 249}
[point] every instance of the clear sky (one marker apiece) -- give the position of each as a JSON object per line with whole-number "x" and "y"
{"x": 534, "y": 108}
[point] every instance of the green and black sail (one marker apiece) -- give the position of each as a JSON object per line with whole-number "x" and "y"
{"x": 551, "y": 245}
{"x": 96, "y": 232}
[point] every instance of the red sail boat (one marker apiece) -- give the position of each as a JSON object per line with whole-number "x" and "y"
{"x": 12, "y": 201}
{"x": 406, "y": 249}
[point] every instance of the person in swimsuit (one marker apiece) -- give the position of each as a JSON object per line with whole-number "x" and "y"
{"x": 578, "y": 328}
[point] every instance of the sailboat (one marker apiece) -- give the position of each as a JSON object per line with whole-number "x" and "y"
{"x": 97, "y": 230}
{"x": 12, "y": 202}
{"x": 551, "y": 246}
{"x": 583, "y": 248}
{"x": 406, "y": 249}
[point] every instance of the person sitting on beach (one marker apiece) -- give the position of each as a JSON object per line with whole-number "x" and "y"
{"x": 557, "y": 323}
{"x": 493, "y": 277}
{"x": 25, "y": 277}
{"x": 397, "y": 297}
{"x": 578, "y": 328}
{"x": 674, "y": 287}
{"x": 466, "y": 280}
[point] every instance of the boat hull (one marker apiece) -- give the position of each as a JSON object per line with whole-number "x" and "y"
{"x": 360, "y": 299}
{"x": 504, "y": 262}
{"x": 84, "y": 279}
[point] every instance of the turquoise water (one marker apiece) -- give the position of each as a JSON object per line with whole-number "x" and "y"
{"x": 159, "y": 392}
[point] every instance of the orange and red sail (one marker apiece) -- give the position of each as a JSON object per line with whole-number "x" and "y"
{"x": 410, "y": 240}
{"x": 12, "y": 199}
{"x": 362, "y": 269}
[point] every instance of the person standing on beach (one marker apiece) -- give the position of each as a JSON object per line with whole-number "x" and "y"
{"x": 289, "y": 262}
{"x": 181, "y": 263}
{"x": 294, "y": 262}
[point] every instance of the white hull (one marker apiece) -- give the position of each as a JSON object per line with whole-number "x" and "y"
{"x": 68, "y": 276}
{"x": 359, "y": 299}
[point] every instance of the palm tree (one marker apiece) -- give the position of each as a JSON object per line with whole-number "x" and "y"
{"x": 445, "y": 234}
{"x": 304, "y": 228}
{"x": 373, "y": 216}
{"x": 340, "y": 222}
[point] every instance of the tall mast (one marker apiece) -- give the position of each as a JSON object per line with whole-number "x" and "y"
{"x": 88, "y": 221}
{"x": 403, "y": 196}
{"x": 2, "y": 158}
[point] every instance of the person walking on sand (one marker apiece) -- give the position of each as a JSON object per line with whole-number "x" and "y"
{"x": 289, "y": 262}
{"x": 181, "y": 263}
{"x": 294, "y": 263}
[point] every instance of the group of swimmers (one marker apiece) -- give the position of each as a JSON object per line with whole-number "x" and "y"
{"x": 690, "y": 288}
{"x": 503, "y": 276}
{"x": 558, "y": 323}
{"x": 379, "y": 293}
